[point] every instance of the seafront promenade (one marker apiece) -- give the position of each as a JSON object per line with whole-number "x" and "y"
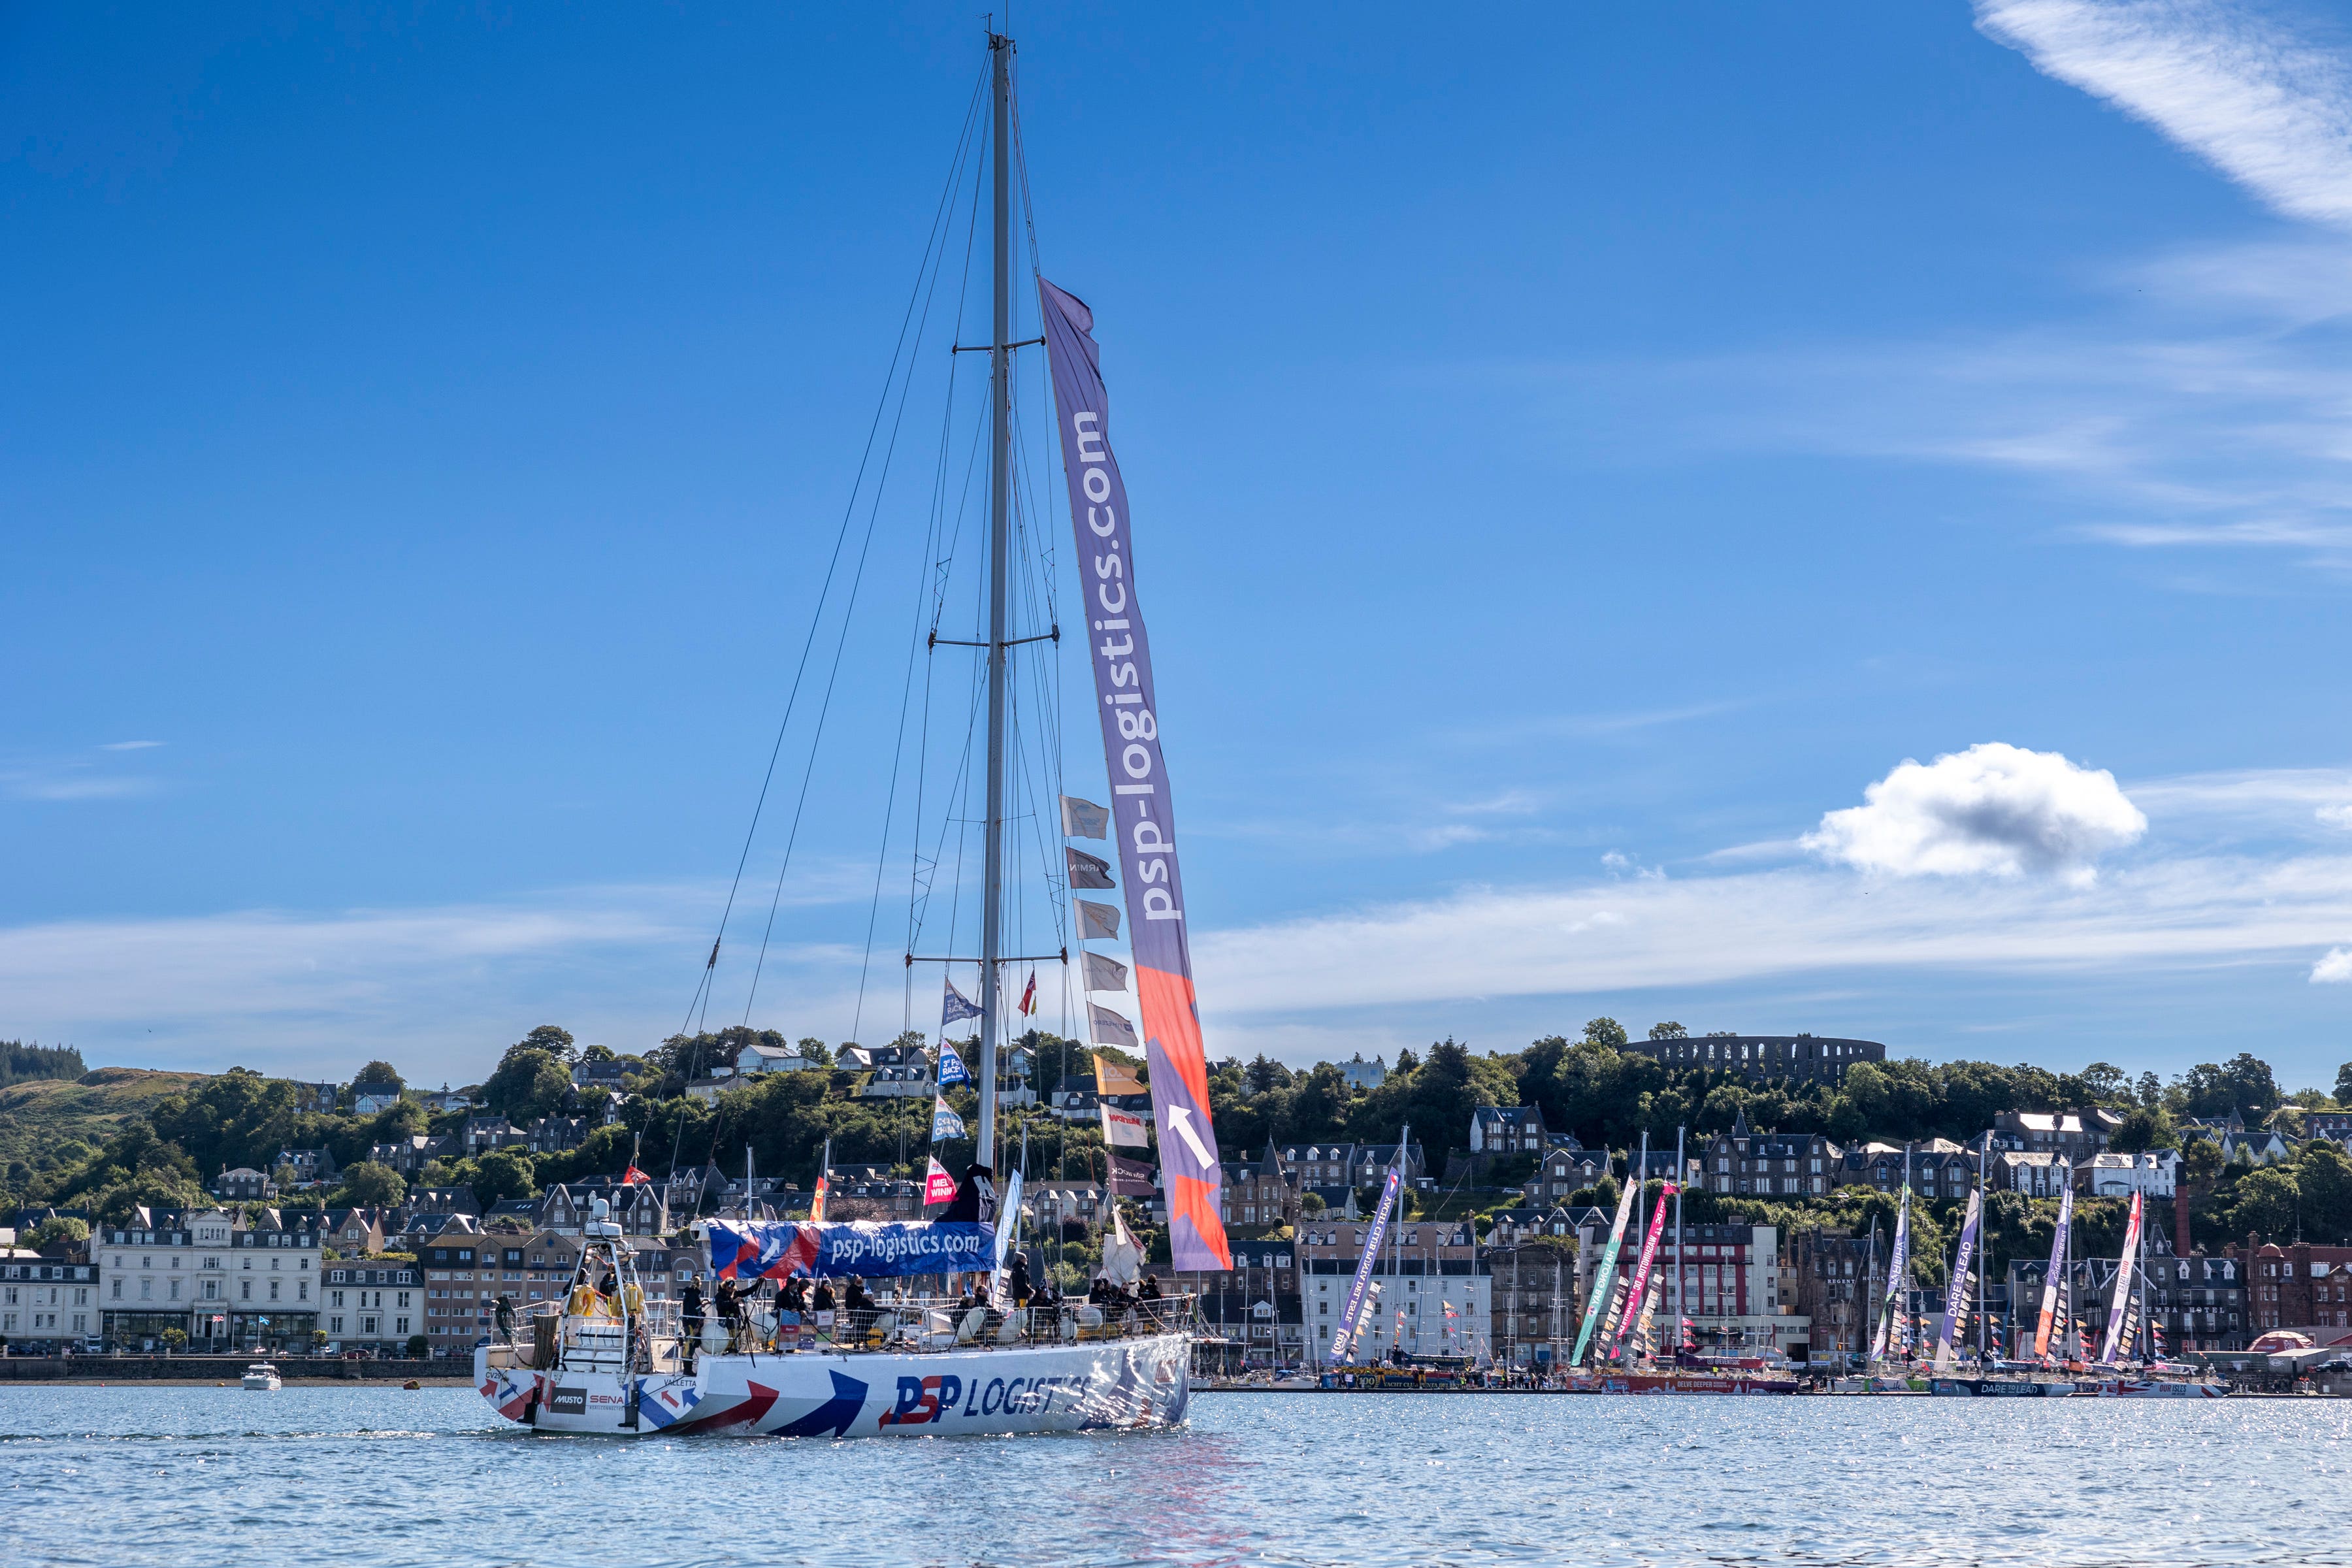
{"x": 211, "y": 1369}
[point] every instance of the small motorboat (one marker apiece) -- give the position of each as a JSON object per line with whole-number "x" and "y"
{"x": 263, "y": 1376}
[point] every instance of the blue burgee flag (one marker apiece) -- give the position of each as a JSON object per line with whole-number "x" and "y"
{"x": 951, "y": 1068}
{"x": 945, "y": 1124}
{"x": 955, "y": 1008}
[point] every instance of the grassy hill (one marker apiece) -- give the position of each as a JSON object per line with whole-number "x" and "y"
{"x": 44, "y": 1122}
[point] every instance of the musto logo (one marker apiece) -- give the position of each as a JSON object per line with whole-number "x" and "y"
{"x": 569, "y": 1401}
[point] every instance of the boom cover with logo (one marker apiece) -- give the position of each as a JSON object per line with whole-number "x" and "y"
{"x": 1143, "y": 821}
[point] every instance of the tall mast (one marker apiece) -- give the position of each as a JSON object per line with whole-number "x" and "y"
{"x": 1682, "y": 1177}
{"x": 1984, "y": 1233}
{"x": 1000, "y": 495}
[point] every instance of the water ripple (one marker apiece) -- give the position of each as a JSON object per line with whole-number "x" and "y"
{"x": 318, "y": 1476}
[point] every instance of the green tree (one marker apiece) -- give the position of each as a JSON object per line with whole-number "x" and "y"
{"x": 816, "y": 1051}
{"x": 2142, "y": 1130}
{"x": 370, "y": 1185}
{"x": 530, "y": 1081}
{"x": 2244, "y": 1085}
{"x": 556, "y": 1042}
{"x": 1605, "y": 1032}
{"x": 378, "y": 1074}
{"x": 1264, "y": 1073}
{"x": 2322, "y": 1174}
{"x": 60, "y": 1228}
{"x": 2344, "y": 1084}
{"x": 2266, "y": 1202}
{"x": 2201, "y": 1161}
{"x": 500, "y": 1175}
{"x": 2107, "y": 1082}
{"x": 1668, "y": 1031}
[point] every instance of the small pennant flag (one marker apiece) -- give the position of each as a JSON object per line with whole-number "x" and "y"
{"x": 1124, "y": 1129}
{"x": 816, "y": 1202}
{"x": 951, "y": 1068}
{"x": 1029, "y": 995}
{"x": 1098, "y": 923}
{"x": 956, "y": 1007}
{"x": 1083, "y": 818}
{"x": 945, "y": 1124}
{"x": 1088, "y": 870}
{"x": 938, "y": 1187}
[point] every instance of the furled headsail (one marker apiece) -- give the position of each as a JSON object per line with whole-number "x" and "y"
{"x": 1143, "y": 821}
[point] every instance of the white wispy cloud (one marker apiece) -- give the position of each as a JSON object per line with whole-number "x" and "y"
{"x": 131, "y": 745}
{"x": 2270, "y": 111}
{"x": 68, "y": 786}
{"x": 440, "y": 986}
{"x": 1746, "y": 926}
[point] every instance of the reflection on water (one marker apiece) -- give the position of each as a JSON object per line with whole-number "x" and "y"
{"x": 382, "y": 1476}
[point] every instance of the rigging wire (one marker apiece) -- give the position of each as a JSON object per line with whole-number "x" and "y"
{"x": 900, "y": 357}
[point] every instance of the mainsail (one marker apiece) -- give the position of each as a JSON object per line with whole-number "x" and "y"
{"x": 1604, "y": 1276}
{"x": 1897, "y": 1269}
{"x": 2112, "y": 1344}
{"x": 1956, "y": 1294}
{"x": 1143, "y": 820}
{"x": 1639, "y": 1291}
{"x": 1362, "y": 1290}
{"x": 2054, "y": 1283}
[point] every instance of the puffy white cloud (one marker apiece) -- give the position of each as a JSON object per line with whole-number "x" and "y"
{"x": 2336, "y": 815}
{"x": 2270, "y": 112}
{"x": 1992, "y": 810}
{"x": 2335, "y": 969}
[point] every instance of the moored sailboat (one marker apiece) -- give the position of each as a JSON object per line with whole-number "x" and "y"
{"x": 611, "y": 1358}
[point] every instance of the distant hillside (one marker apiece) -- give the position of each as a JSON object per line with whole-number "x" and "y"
{"x": 42, "y": 1120}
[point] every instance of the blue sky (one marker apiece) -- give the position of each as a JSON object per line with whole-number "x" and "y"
{"x": 1577, "y": 453}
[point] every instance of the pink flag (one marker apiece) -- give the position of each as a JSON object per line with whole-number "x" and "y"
{"x": 938, "y": 1187}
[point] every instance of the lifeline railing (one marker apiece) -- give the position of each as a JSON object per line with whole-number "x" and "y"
{"x": 543, "y": 1335}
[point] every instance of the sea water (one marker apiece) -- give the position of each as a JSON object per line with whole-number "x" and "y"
{"x": 375, "y": 1475}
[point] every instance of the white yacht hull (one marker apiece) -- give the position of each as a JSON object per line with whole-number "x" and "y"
{"x": 1142, "y": 1382}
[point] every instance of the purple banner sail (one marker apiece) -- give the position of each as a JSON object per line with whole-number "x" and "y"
{"x": 1143, "y": 822}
